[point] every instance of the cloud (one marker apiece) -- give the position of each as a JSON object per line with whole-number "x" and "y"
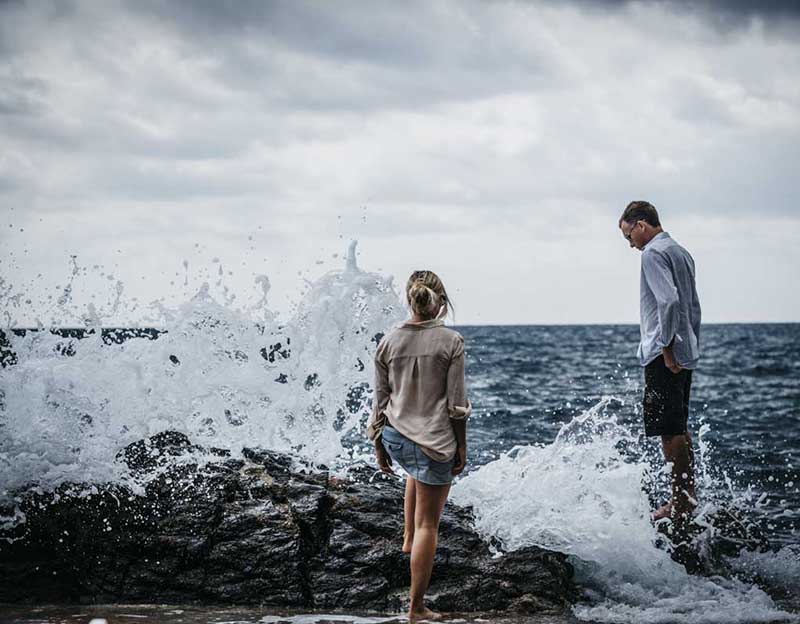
{"x": 510, "y": 119}
{"x": 711, "y": 10}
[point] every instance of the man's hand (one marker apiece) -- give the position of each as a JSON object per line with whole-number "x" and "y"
{"x": 384, "y": 461}
{"x": 461, "y": 460}
{"x": 669, "y": 360}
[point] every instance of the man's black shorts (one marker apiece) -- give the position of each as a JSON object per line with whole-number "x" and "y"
{"x": 666, "y": 399}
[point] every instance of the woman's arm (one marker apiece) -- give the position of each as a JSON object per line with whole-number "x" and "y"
{"x": 460, "y": 429}
{"x": 458, "y": 405}
{"x": 380, "y": 397}
{"x": 378, "y": 418}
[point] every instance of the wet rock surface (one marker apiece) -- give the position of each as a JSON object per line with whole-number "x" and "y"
{"x": 258, "y": 532}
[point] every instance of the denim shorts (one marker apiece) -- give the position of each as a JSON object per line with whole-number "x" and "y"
{"x": 411, "y": 458}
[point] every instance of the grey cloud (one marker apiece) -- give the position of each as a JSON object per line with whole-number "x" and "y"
{"x": 104, "y": 135}
{"x": 498, "y": 125}
{"x": 780, "y": 18}
{"x": 745, "y": 177}
{"x": 24, "y": 23}
{"x": 695, "y": 103}
{"x": 339, "y": 56}
{"x": 21, "y": 95}
{"x": 744, "y": 8}
{"x": 309, "y": 56}
{"x": 10, "y": 183}
{"x": 170, "y": 184}
{"x": 227, "y": 80}
{"x": 343, "y": 29}
{"x": 732, "y": 8}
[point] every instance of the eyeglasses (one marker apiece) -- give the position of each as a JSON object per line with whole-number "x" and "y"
{"x": 628, "y": 235}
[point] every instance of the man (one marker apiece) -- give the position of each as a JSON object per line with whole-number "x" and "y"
{"x": 669, "y": 348}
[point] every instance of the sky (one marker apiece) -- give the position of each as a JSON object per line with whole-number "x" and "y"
{"x": 148, "y": 146}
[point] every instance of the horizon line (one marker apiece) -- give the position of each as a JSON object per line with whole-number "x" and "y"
{"x": 587, "y": 324}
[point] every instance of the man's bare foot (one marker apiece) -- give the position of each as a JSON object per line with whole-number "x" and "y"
{"x": 665, "y": 511}
{"x": 408, "y": 542}
{"x": 424, "y": 614}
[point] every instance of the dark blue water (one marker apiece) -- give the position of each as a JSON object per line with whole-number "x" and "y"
{"x": 526, "y": 381}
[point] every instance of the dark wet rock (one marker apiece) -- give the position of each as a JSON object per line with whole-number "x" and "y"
{"x": 255, "y": 531}
{"x": 145, "y": 455}
{"x": 705, "y": 544}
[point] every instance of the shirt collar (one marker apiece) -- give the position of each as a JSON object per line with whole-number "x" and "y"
{"x": 656, "y": 237}
{"x": 424, "y": 324}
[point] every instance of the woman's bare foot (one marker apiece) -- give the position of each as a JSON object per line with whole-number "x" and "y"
{"x": 665, "y": 511}
{"x": 408, "y": 542}
{"x": 424, "y": 614}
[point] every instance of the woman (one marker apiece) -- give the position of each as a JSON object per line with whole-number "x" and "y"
{"x": 418, "y": 420}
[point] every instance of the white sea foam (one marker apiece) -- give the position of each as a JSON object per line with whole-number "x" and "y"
{"x": 778, "y": 569}
{"x": 64, "y": 417}
{"x": 582, "y": 495}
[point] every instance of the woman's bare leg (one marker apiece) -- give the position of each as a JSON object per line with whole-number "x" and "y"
{"x": 409, "y": 505}
{"x": 430, "y": 502}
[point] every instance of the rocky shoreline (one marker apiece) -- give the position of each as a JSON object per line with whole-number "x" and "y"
{"x": 255, "y": 531}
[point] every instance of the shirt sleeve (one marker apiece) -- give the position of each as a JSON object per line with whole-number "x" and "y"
{"x": 458, "y": 406}
{"x": 658, "y": 275}
{"x": 380, "y": 398}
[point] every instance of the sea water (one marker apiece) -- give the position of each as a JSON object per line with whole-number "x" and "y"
{"x": 556, "y": 452}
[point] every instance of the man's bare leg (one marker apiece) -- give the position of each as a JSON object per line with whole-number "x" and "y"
{"x": 429, "y": 505}
{"x": 665, "y": 511}
{"x": 678, "y": 451}
{"x": 409, "y": 506}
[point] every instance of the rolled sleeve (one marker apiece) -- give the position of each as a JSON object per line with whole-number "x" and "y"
{"x": 380, "y": 398}
{"x": 658, "y": 275}
{"x": 458, "y": 406}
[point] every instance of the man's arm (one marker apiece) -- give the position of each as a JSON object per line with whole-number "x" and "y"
{"x": 669, "y": 358}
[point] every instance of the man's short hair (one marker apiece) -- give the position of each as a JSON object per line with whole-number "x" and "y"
{"x": 640, "y": 211}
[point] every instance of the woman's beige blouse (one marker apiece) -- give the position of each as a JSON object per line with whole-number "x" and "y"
{"x": 419, "y": 386}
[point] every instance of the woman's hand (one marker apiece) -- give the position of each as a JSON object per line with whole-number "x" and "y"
{"x": 461, "y": 460}
{"x": 384, "y": 461}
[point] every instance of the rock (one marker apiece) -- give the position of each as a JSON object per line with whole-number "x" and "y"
{"x": 718, "y": 532}
{"x": 255, "y": 531}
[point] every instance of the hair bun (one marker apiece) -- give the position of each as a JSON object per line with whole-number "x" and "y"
{"x": 422, "y": 298}
{"x": 426, "y": 295}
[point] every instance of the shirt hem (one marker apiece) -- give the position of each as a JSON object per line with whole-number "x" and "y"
{"x": 648, "y": 360}
{"x": 429, "y": 452}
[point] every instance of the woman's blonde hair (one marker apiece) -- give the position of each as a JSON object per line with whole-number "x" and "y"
{"x": 427, "y": 296}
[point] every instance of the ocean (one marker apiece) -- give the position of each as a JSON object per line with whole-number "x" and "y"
{"x": 556, "y": 452}
{"x": 559, "y": 459}
{"x": 529, "y": 381}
